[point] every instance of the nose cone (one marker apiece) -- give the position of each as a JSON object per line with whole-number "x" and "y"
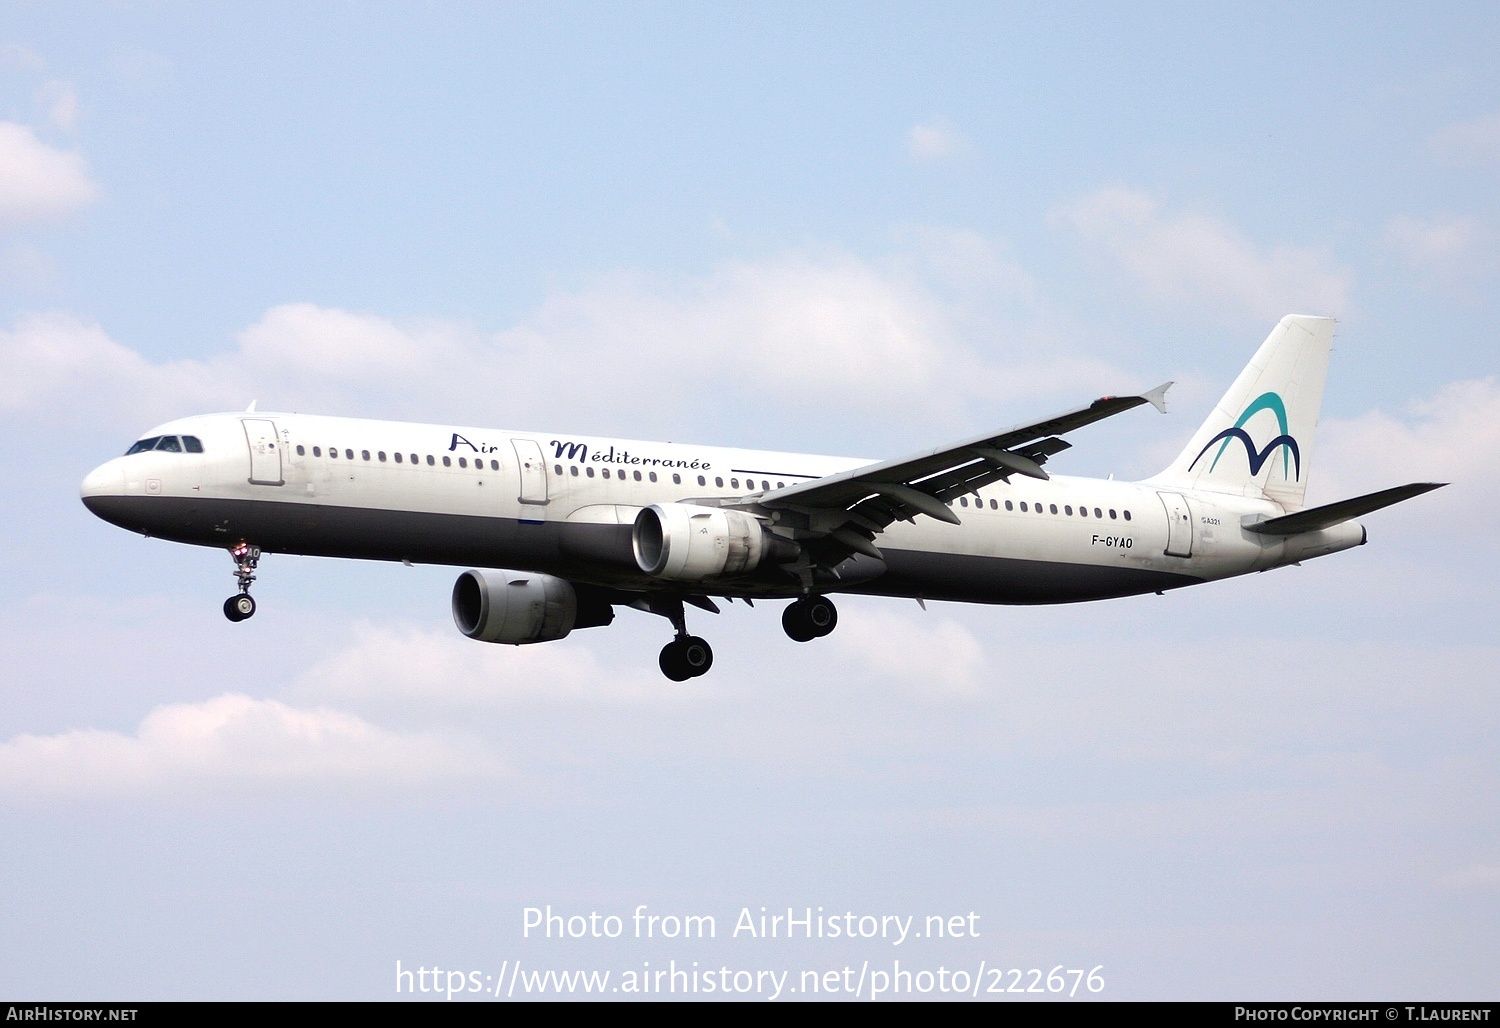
{"x": 107, "y": 480}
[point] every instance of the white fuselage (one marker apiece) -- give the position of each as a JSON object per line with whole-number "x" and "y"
{"x": 564, "y": 505}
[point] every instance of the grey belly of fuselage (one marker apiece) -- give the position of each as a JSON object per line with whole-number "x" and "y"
{"x": 592, "y": 553}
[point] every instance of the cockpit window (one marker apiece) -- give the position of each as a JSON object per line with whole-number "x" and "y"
{"x": 168, "y": 444}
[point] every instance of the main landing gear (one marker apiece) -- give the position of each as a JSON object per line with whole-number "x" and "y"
{"x": 242, "y": 605}
{"x": 686, "y": 656}
{"x": 811, "y": 617}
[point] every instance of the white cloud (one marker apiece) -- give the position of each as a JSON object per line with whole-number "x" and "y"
{"x": 232, "y": 742}
{"x": 1451, "y": 436}
{"x": 1449, "y": 250}
{"x": 38, "y": 182}
{"x": 307, "y": 339}
{"x": 53, "y": 359}
{"x": 1196, "y": 259}
{"x": 811, "y": 333}
{"x": 934, "y": 141}
{"x": 395, "y": 666}
{"x": 928, "y": 655}
{"x": 1473, "y": 141}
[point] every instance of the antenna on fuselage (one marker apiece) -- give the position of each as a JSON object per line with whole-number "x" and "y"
{"x": 250, "y": 409}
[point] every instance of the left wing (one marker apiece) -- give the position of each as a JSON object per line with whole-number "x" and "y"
{"x": 851, "y": 508}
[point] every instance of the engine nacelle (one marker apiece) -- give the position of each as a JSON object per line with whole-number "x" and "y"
{"x": 514, "y": 606}
{"x": 688, "y": 543}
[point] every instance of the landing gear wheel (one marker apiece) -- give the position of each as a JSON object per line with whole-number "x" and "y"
{"x": 686, "y": 657}
{"x": 246, "y": 558}
{"x": 821, "y": 614}
{"x": 697, "y": 655}
{"x": 238, "y": 608}
{"x": 810, "y": 618}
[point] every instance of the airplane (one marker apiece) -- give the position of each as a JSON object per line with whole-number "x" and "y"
{"x": 559, "y": 530}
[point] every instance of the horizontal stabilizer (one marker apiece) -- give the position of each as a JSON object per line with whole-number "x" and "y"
{"x": 1331, "y": 514}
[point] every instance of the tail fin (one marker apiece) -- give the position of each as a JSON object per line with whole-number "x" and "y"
{"x": 1259, "y": 439}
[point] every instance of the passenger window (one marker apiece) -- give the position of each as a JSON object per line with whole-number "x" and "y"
{"x": 447, "y": 461}
{"x": 463, "y": 462}
{"x": 1023, "y": 507}
{"x": 557, "y": 469}
{"x": 652, "y": 475}
{"x": 1111, "y": 513}
{"x": 1052, "y": 507}
{"x": 1008, "y": 505}
{"x": 963, "y": 501}
{"x": 348, "y": 454}
{"x": 734, "y": 483}
{"x": 1127, "y": 515}
{"x": 398, "y": 458}
{"x": 1098, "y": 513}
{"x": 702, "y": 480}
{"x": 637, "y": 476}
{"x": 719, "y": 482}
{"x": 191, "y": 444}
{"x": 1068, "y": 509}
{"x": 429, "y": 460}
{"x": 300, "y": 451}
{"x": 169, "y": 444}
{"x": 381, "y": 455}
{"x": 780, "y": 485}
{"x": 414, "y": 459}
{"x": 994, "y": 505}
{"x": 573, "y": 470}
{"x": 589, "y": 472}
{"x": 494, "y": 465}
{"x": 604, "y": 472}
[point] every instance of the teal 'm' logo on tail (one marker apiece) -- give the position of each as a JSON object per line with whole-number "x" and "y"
{"x": 1290, "y": 455}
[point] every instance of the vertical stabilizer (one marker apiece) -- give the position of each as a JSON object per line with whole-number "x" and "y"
{"x": 1259, "y": 439}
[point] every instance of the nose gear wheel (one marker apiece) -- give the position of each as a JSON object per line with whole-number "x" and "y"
{"x": 246, "y": 558}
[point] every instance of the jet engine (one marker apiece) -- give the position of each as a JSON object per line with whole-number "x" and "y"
{"x": 514, "y": 607}
{"x": 688, "y": 543}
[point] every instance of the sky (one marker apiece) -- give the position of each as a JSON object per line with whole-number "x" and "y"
{"x": 856, "y": 229}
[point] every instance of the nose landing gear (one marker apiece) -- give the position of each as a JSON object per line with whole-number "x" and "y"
{"x": 809, "y": 618}
{"x": 242, "y": 605}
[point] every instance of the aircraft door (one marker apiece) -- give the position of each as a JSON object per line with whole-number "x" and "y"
{"x": 265, "y": 451}
{"x": 1179, "y": 525}
{"x": 533, "y": 469}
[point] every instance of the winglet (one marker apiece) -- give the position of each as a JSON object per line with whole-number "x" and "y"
{"x": 1158, "y": 397}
